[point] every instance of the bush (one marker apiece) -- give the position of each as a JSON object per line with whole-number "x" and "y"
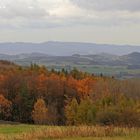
{"x": 130, "y": 118}
{"x": 107, "y": 117}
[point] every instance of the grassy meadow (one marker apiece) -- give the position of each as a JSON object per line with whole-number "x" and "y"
{"x": 38, "y": 132}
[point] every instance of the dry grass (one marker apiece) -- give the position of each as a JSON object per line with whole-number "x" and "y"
{"x": 44, "y": 132}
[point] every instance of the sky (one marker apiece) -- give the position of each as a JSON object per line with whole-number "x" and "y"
{"x": 98, "y": 21}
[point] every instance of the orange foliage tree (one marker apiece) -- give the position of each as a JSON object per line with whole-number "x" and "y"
{"x": 42, "y": 84}
{"x": 85, "y": 86}
{"x": 5, "y": 108}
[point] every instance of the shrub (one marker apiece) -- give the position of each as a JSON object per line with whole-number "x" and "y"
{"x": 107, "y": 117}
{"x": 130, "y": 118}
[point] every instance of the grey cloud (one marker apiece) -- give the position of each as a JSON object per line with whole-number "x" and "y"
{"x": 22, "y": 9}
{"x": 127, "y": 5}
{"x": 35, "y": 13}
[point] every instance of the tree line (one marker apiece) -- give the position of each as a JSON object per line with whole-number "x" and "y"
{"x": 37, "y": 95}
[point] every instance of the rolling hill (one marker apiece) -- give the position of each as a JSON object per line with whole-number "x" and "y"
{"x": 66, "y": 48}
{"x": 98, "y": 59}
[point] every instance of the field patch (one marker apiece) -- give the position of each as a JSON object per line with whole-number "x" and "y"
{"x": 38, "y": 132}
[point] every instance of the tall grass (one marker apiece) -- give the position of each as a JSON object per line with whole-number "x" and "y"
{"x": 55, "y": 132}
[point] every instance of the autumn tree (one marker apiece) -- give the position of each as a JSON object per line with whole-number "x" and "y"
{"x": 5, "y": 108}
{"x": 71, "y": 87}
{"x": 42, "y": 85}
{"x": 71, "y": 110}
{"x": 39, "y": 113}
{"x": 86, "y": 113}
{"x": 55, "y": 98}
{"x": 85, "y": 86}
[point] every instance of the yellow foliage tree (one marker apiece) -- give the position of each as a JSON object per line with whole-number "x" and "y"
{"x": 39, "y": 113}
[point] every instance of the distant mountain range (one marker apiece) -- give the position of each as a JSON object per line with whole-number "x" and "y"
{"x": 66, "y": 48}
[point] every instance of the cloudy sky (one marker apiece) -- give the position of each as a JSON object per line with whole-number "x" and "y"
{"x": 99, "y": 21}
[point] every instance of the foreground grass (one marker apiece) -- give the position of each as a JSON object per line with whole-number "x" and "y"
{"x": 29, "y": 132}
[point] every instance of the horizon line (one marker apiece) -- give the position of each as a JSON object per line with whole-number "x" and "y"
{"x": 57, "y": 41}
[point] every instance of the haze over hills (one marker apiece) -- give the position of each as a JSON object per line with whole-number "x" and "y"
{"x": 66, "y": 48}
{"x": 75, "y": 59}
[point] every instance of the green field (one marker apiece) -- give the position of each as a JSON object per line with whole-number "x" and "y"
{"x": 108, "y": 70}
{"x": 119, "y": 71}
{"x": 29, "y": 132}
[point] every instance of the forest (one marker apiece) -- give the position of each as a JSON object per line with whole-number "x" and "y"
{"x": 36, "y": 95}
